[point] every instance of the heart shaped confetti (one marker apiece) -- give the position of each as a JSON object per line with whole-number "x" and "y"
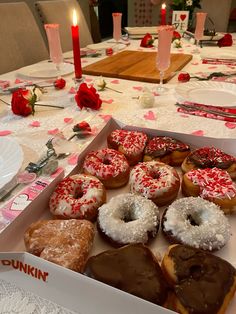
{"x": 115, "y": 82}
{"x": 230, "y": 125}
{"x": 73, "y": 159}
{"x": 150, "y": 115}
{"x": 139, "y": 88}
{"x": 72, "y": 90}
{"x": 26, "y": 177}
{"x": 198, "y": 133}
{"x": 35, "y": 124}
{"x": 18, "y": 81}
{"x": 53, "y": 131}
{"x": 88, "y": 79}
{"x": 107, "y": 101}
{"x": 105, "y": 117}
{"x": 5, "y": 132}
{"x": 68, "y": 120}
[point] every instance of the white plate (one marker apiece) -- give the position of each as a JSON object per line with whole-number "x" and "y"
{"x": 45, "y": 70}
{"x": 211, "y": 93}
{"x": 105, "y": 45}
{"x": 11, "y": 157}
{"x": 139, "y": 32}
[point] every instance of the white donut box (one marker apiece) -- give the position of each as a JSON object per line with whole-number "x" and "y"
{"x": 76, "y": 291}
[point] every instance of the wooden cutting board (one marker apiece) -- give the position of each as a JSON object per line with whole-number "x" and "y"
{"x": 136, "y": 66}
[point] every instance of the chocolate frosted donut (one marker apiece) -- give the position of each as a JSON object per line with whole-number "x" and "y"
{"x": 210, "y": 157}
{"x": 203, "y": 283}
{"x": 167, "y": 150}
{"x": 133, "y": 269}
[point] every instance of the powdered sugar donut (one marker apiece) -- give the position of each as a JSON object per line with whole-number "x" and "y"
{"x": 77, "y": 196}
{"x": 128, "y": 218}
{"x": 210, "y": 157}
{"x": 212, "y": 184}
{"x": 130, "y": 143}
{"x": 109, "y": 166}
{"x": 156, "y": 181}
{"x": 196, "y": 222}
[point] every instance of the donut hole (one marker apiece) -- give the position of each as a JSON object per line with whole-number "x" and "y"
{"x": 78, "y": 194}
{"x": 106, "y": 161}
{"x": 195, "y": 271}
{"x": 130, "y": 214}
{"x": 194, "y": 221}
{"x": 155, "y": 175}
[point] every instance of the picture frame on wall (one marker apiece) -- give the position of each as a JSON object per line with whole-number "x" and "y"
{"x": 180, "y": 20}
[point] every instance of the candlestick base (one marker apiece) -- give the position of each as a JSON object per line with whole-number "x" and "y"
{"x": 78, "y": 81}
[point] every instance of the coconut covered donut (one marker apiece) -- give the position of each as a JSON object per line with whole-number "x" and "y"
{"x": 128, "y": 218}
{"x": 156, "y": 181}
{"x": 196, "y": 222}
{"x": 167, "y": 150}
{"x": 130, "y": 143}
{"x": 212, "y": 184}
{"x": 109, "y": 166}
{"x": 210, "y": 157}
{"x": 77, "y": 196}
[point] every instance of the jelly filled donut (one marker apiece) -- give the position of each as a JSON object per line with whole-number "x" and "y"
{"x": 133, "y": 269}
{"x": 128, "y": 218}
{"x": 203, "y": 283}
{"x": 196, "y": 222}
{"x": 77, "y": 196}
{"x": 156, "y": 181}
{"x": 167, "y": 150}
{"x": 212, "y": 184}
{"x": 210, "y": 157}
{"x": 130, "y": 143}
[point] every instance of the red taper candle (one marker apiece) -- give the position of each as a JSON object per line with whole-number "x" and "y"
{"x": 163, "y": 14}
{"x": 76, "y": 47}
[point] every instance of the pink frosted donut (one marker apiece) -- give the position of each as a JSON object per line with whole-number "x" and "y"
{"x": 156, "y": 181}
{"x": 109, "y": 166}
{"x": 78, "y": 196}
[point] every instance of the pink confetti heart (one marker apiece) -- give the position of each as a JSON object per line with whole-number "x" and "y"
{"x": 57, "y": 172}
{"x": 107, "y": 101}
{"x": 18, "y": 81}
{"x": 139, "y": 88}
{"x": 88, "y": 79}
{"x": 5, "y": 132}
{"x": 68, "y": 120}
{"x": 72, "y": 160}
{"x": 84, "y": 61}
{"x": 195, "y": 63}
{"x": 198, "y": 133}
{"x": 35, "y": 124}
{"x": 94, "y": 130}
{"x": 115, "y": 82}
{"x": 212, "y": 67}
{"x": 53, "y": 131}
{"x": 150, "y": 115}
{"x": 230, "y": 125}
{"x": 156, "y": 94}
{"x": 72, "y": 90}
{"x": 105, "y": 117}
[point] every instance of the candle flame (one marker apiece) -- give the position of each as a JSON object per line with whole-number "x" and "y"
{"x": 75, "y": 20}
{"x": 163, "y": 6}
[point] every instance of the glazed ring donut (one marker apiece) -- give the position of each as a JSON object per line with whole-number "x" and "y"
{"x": 77, "y": 196}
{"x": 128, "y": 218}
{"x": 196, "y": 222}
{"x": 156, "y": 181}
{"x": 129, "y": 143}
{"x": 212, "y": 184}
{"x": 210, "y": 157}
{"x": 166, "y": 149}
{"x": 109, "y": 166}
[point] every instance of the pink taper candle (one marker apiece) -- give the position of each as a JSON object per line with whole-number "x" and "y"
{"x": 76, "y": 47}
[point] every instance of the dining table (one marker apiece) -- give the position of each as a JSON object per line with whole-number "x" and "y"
{"x": 122, "y": 100}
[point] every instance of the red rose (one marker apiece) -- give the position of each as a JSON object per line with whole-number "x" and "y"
{"x": 176, "y": 35}
{"x": 226, "y": 41}
{"x": 88, "y": 97}
{"x": 109, "y": 51}
{"x": 22, "y": 102}
{"x": 147, "y": 41}
{"x": 183, "y": 77}
{"x": 59, "y": 83}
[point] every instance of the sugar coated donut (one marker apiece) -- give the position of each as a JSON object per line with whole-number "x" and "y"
{"x": 212, "y": 184}
{"x": 128, "y": 218}
{"x": 156, "y": 181}
{"x": 203, "y": 283}
{"x": 109, "y": 166}
{"x": 77, "y": 196}
{"x": 132, "y": 268}
{"x": 167, "y": 150}
{"x": 210, "y": 157}
{"x": 130, "y": 143}
{"x": 196, "y": 222}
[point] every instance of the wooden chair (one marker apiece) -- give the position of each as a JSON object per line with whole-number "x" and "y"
{"x": 21, "y": 41}
{"x": 60, "y": 12}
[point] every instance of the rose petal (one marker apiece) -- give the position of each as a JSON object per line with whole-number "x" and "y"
{"x": 107, "y": 101}
{"x": 5, "y": 132}
{"x": 68, "y": 120}
{"x": 53, "y": 131}
{"x": 115, "y": 82}
{"x": 35, "y": 124}
{"x": 72, "y": 160}
{"x": 150, "y": 115}
{"x": 88, "y": 79}
{"x": 198, "y": 133}
{"x": 105, "y": 117}
{"x": 230, "y": 125}
{"x": 72, "y": 90}
{"x": 139, "y": 88}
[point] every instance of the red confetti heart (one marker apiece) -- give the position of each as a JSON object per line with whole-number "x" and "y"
{"x": 5, "y": 132}
{"x": 150, "y": 115}
{"x": 198, "y": 133}
{"x": 115, "y": 82}
{"x": 68, "y": 120}
{"x": 35, "y": 124}
{"x": 230, "y": 125}
{"x": 72, "y": 160}
{"x": 53, "y": 132}
{"x": 139, "y": 88}
{"x": 105, "y": 117}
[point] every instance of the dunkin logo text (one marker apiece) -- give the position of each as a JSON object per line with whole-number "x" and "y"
{"x": 25, "y": 268}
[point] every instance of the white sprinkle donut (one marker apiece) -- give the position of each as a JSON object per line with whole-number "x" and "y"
{"x": 196, "y": 222}
{"x": 77, "y": 196}
{"x": 128, "y": 218}
{"x": 109, "y": 166}
{"x": 156, "y": 181}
